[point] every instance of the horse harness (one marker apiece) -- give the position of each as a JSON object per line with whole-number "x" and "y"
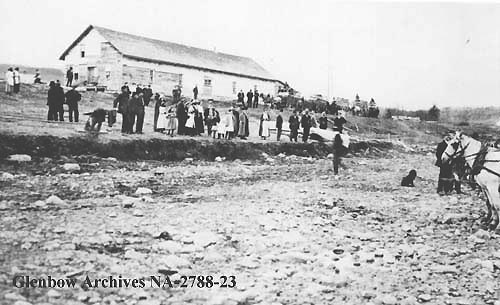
{"x": 479, "y": 160}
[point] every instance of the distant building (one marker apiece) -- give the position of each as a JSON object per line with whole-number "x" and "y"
{"x": 109, "y": 58}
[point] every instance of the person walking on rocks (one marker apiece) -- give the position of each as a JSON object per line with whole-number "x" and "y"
{"x": 72, "y": 99}
{"x": 121, "y": 105}
{"x": 294, "y": 123}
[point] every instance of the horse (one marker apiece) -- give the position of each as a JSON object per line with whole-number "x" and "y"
{"x": 485, "y": 166}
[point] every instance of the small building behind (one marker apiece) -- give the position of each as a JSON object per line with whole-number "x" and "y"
{"x": 104, "y": 57}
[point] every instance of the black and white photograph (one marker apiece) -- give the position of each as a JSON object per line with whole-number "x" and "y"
{"x": 249, "y": 152}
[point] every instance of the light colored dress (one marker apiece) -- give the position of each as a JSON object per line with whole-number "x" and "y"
{"x": 171, "y": 119}
{"x": 162, "y": 118}
{"x": 190, "y": 123}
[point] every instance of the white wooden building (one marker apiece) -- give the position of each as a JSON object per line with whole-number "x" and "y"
{"x": 110, "y": 58}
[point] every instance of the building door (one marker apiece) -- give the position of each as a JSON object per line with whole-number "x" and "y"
{"x": 91, "y": 75}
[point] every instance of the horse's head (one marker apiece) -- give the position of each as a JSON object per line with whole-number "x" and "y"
{"x": 454, "y": 149}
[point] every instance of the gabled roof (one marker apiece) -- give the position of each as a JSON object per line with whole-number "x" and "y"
{"x": 153, "y": 50}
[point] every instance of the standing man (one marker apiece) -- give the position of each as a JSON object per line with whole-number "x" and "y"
{"x": 69, "y": 77}
{"x": 195, "y": 92}
{"x": 241, "y": 98}
{"x": 51, "y": 102}
{"x": 72, "y": 99}
{"x": 305, "y": 121}
{"x": 121, "y": 104}
{"x": 148, "y": 94}
{"x": 249, "y": 98}
{"x": 140, "y": 112}
{"x": 60, "y": 98}
{"x": 256, "y": 99}
{"x": 293, "y": 123}
{"x": 279, "y": 124}
{"x": 338, "y": 122}
{"x": 323, "y": 121}
{"x": 445, "y": 179}
{"x": 17, "y": 80}
{"x": 9, "y": 81}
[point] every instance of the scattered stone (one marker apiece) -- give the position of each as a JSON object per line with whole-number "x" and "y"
{"x": 71, "y": 167}
{"x": 138, "y": 213}
{"x": 40, "y": 204}
{"x": 204, "y": 239}
{"x": 424, "y": 297}
{"x": 188, "y": 159}
{"x": 218, "y": 159}
{"x": 22, "y": 303}
{"x": 113, "y": 215}
{"x": 54, "y": 200}
{"x": 482, "y": 234}
{"x": 143, "y": 191}
{"x": 19, "y": 158}
{"x": 6, "y": 176}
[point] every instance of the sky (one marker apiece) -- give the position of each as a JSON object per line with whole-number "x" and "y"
{"x": 409, "y": 55}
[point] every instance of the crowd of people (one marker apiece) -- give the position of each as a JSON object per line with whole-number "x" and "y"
{"x": 175, "y": 115}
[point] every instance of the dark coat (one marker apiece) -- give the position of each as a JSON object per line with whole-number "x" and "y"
{"x": 338, "y": 123}
{"x": 73, "y": 97}
{"x": 305, "y": 121}
{"x": 279, "y": 121}
{"x": 136, "y": 105}
{"x": 122, "y": 103}
{"x": 323, "y": 122}
{"x": 215, "y": 117}
{"x": 250, "y": 96}
{"x": 55, "y": 97}
{"x": 293, "y": 122}
{"x": 441, "y": 147}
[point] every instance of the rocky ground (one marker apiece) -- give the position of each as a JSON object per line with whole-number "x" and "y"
{"x": 285, "y": 227}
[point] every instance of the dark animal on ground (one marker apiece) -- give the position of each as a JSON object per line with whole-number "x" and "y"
{"x": 408, "y": 180}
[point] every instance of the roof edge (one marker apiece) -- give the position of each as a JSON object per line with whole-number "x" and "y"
{"x": 199, "y": 68}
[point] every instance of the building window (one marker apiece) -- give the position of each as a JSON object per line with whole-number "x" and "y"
{"x": 82, "y": 53}
{"x": 108, "y": 74}
{"x": 234, "y": 87}
{"x": 207, "y": 82}
{"x": 151, "y": 76}
{"x": 75, "y": 76}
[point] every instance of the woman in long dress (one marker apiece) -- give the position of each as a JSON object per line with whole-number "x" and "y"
{"x": 161, "y": 123}
{"x": 229, "y": 124}
{"x": 190, "y": 122}
{"x": 265, "y": 125}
